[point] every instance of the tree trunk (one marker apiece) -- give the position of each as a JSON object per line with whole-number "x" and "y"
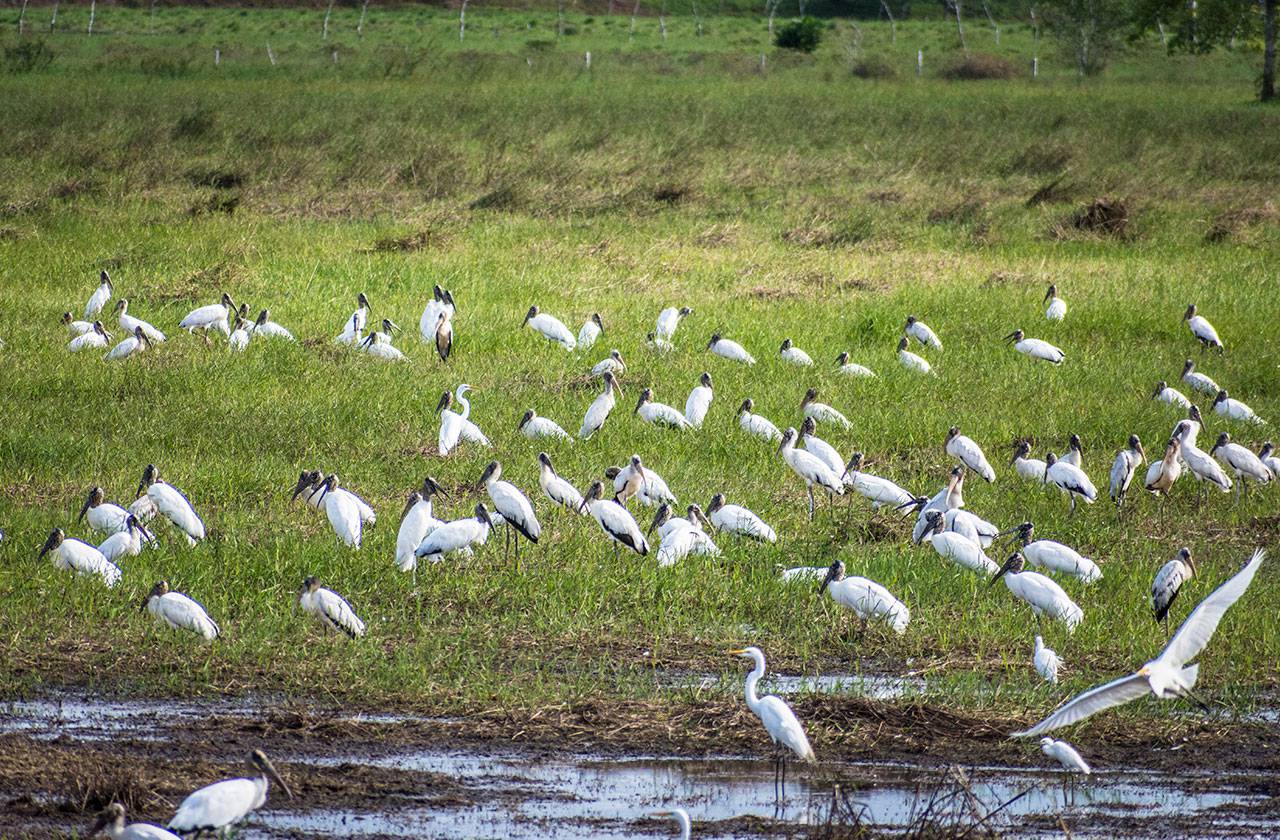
{"x": 1268, "y": 91}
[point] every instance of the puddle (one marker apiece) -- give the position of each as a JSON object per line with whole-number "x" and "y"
{"x": 871, "y": 686}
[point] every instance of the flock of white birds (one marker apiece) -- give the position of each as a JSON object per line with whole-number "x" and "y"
{"x": 956, "y": 534}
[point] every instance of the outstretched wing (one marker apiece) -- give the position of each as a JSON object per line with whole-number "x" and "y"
{"x": 1199, "y": 627}
{"x": 1114, "y": 693}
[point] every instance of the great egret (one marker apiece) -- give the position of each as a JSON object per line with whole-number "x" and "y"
{"x": 1125, "y": 467}
{"x": 728, "y": 349}
{"x": 1046, "y": 661}
{"x": 699, "y": 401}
{"x": 681, "y": 816}
{"x": 868, "y": 599}
{"x": 455, "y": 427}
{"x": 100, "y": 296}
{"x": 1035, "y": 348}
{"x": 779, "y": 721}
{"x": 130, "y": 324}
{"x": 964, "y": 450}
{"x": 1202, "y": 329}
{"x": 329, "y": 608}
{"x": 1057, "y": 306}
{"x": 1064, "y": 754}
{"x": 220, "y": 806}
{"x": 79, "y": 557}
{"x": 920, "y": 331}
{"x": 550, "y": 328}
{"x": 791, "y": 354}
{"x": 111, "y": 822}
{"x": 178, "y": 612}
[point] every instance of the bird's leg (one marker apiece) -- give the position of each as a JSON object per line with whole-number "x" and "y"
{"x": 615, "y": 551}
{"x": 517, "y": 539}
{"x": 784, "y": 778}
{"x": 1073, "y": 505}
{"x": 810, "y": 502}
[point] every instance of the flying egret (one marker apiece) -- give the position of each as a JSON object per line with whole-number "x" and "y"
{"x": 1198, "y": 381}
{"x": 102, "y": 515}
{"x": 1170, "y": 396}
{"x": 755, "y": 424}
{"x": 126, "y": 543}
{"x": 1071, "y": 480}
{"x": 344, "y": 515}
{"x": 659, "y": 414}
{"x": 178, "y": 612}
{"x": 1046, "y": 661}
{"x": 454, "y": 426}
{"x": 1047, "y": 554}
{"x": 729, "y": 349}
{"x": 100, "y": 296}
{"x": 964, "y": 450}
{"x": 591, "y": 330}
{"x": 75, "y": 556}
{"x": 616, "y": 522}
{"x": 911, "y": 361}
{"x": 1057, "y": 306}
{"x": 640, "y": 481}
{"x": 848, "y": 368}
{"x": 658, "y": 344}
{"x": 218, "y": 807}
{"x": 613, "y": 363}
{"x": 810, "y": 407}
{"x": 1247, "y": 466}
{"x": 1202, "y": 329}
{"x": 549, "y": 327}
{"x": 1163, "y": 473}
{"x": 1168, "y": 675}
{"x": 1075, "y": 452}
{"x": 329, "y": 608}
{"x": 868, "y": 599}
{"x": 215, "y": 316}
{"x": 956, "y": 547}
{"x": 1035, "y": 348}
{"x": 513, "y": 504}
{"x": 557, "y": 489}
{"x": 601, "y": 407}
{"x": 239, "y": 339}
{"x": 535, "y": 428}
{"x": 456, "y": 537}
{"x": 668, "y": 321}
{"x": 794, "y": 355}
{"x": 96, "y": 338}
{"x": 1125, "y": 467}
{"x": 1031, "y": 469}
{"x": 416, "y": 522}
{"x": 681, "y": 816}
{"x": 172, "y": 503}
{"x": 1269, "y": 461}
{"x": 738, "y": 520}
{"x": 1200, "y": 463}
{"x": 1168, "y": 582}
{"x": 1042, "y": 594}
{"x": 810, "y": 468}
{"x": 441, "y": 303}
{"x": 267, "y": 328}
{"x": 699, "y": 401}
{"x": 111, "y": 822}
{"x": 1064, "y": 754}
{"x": 1232, "y": 409}
{"x": 129, "y": 346}
{"x": 879, "y": 491}
{"x": 920, "y": 331}
{"x": 130, "y": 324}
{"x": 779, "y": 721}
{"x": 825, "y": 452}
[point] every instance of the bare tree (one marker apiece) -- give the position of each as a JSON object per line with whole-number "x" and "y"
{"x": 893, "y": 24}
{"x": 462, "y": 21}
{"x": 364, "y": 10}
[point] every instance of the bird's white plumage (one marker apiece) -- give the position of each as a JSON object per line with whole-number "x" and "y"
{"x": 1173, "y": 397}
{"x": 127, "y": 347}
{"x": 418, "y": 521}
{"x": 1072, "y": 480}
{"x": 455, "y": 537}
{"x": 921, "y": 332}
{"x": 869, "y": 601}
{"x": 170, "y": 501}
{"x": 911, "y": 361}
{"x": 588, "y": 334}
{"x": 1243, "y": 462}
{"x": 963, "y": 552}
{"x": 967, "y": 452}
{"x": 126, "y": 543}
{"x": 697, "y": 405}
{"x": 1047, "y": 554}
{"x": 1046, "y": 661}
{"x": 552, "y": 329}
{"x": 779, "y": 721}
{"x": 178, "y": 612}
{"x": 1045, "y": 597}
{"x": 598, "y": 412}
{"x": 559, "y": 490}
{"x": 758, "y": 426}
{"x": 731, "y": 350}
{"x": 1064, "y": 754}
{"x": 795, "y": 356}
{"x": 219, "y": 805}
{"x": 736, "y": 519}
{"x": 1204, "y": 331}
{"x": 213, "y": 316}
{"x": 83, "y": 559}
{"x": 1039, "y": 349}
{"x": 332, "y": 611}
{"x": 99, "y": 298}
{"x": 1057, "y": 309}
{"x": 824, "y": 451}
{"x": 1232, "y": 409}
{"x": 543, "y": 427}
{"x": 661, "y": 414}
{"x": 667, "y": 323}
{"x": 618, "y": 524}
{"x": 91, "y": 340}
{"x": 824, "y": 413}
{"x": 514, "y": 506}
{"x": 809, "y": 467}
{"x": 129, "y": 324}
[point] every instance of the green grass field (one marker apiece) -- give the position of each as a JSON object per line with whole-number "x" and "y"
{"x": 799, "y": 201}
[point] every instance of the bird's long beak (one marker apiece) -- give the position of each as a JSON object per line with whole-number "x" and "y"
{"x": 85, "y": 507}
{"x": 141, "y": 487}
{"x": 302, "y": 484}
{"x": 394, "y": 325}
{"x": 145, "y": 600}
{"x": 1048, "y": 294}
{"x": 735, "y": 652}
{"x": 831, "y": 575}
{"x": 999, "y": 574}
{"x": 48, "y": 546}
{"x": 275, "y": 777}
{"x": 1142, "y": 454}
{"x": 918, "y": 502}
{"x": 1008, "y": 339}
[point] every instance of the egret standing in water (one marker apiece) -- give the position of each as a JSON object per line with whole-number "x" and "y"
{"x": 218, "y": 807}
{"x": 779, "y": 721}
{"x": 681, "y": 816}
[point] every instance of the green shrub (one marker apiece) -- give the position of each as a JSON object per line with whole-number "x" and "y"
{"x": 802, "y": 35}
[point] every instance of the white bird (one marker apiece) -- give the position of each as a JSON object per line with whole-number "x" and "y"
{"x": 1042, "y": 594}
{"x": 378, "y": 343}
{"x": 1269, "y": 461}
{"x": 1198, "y": 381}
{"x": 311, "y": 487}
{"x": 514, "y": 505}
{"x": 729, "y": 349}
{"x": 956, "y": 547}
{"x": 920, "y": 331}
{"x": 591, "y": 330}
{"x": 1071, "y": 480}
{"x": 669, "y": 320}
{"x": 1047, "y": 554}
{"x": 950, "y": 497}
{"x": 178, "y": 612}
{"x": 848, "y": 368}
{"x": 454, "y": 426}
{"x": 74, "y": 327}
{"x": 95, "y": 339}
{"x": 910, "y": 360}
{"x": 267, "y": 328}
{"x": 218, "y": 807}
{"x": 639, "y": 481}
{"x": 810, "y": 468}
{"x": 616, "y": 522}
{"x": 601, "y": 407}
{"x": 659, "y": 414}
{"x": 1163, "y": 473}
{"x": 1125, "y": 467}
{"x": 239, "y": 339}
{"x": 1046, "y": 661}
{"x": 612, "y": 363}
{"x": 353, "y": 328}
{"x": 1232, "y": 409}
{"x": 1075, "y": 452}
{"x": 681, "y": 536}
{"x": 1247, "y": 466}
{"x": 810, "y": 407}
{"x": 456, "y": 537}
{"x": 681, "y": 816}
{"x": 794, "y": 355}
{"x": 416, "y": 522}
{"x": 130, "y": 324}
{"x": 699, "y": 401}
{"x": 100, "y": 296}
{"x": 1202, "y": 329}
{"x": 755, "y": 424}
{"x": 215, "y": 316}
{"x": 129, "y": 346}
{"x": 964, "y": 450}
{"x": 971, "y": 526}
{"x": 1168, "y": 675}
{"x": 75, "y": 556}
{"x": 1057, "y": 306}
{"x": 1035, "y": 348}
{"x": 802, "y": 574}
{"x": 343, "y": 513}
{"x": 1200, "y": 463}
{"x": 329, "y": 608}
{"x": 125, "y": 543}
{"x": 779, "y": 721}
{"x": 658, "y": 344}
{"x": 111, "y": 822}
{"x": 879, "y": 491}
{"x": 550, "y": 328}
{"x": 1168, "y": 582}
{"x": 535, "y": 428}
{"x": 868, "y": 599}
{"x": 1170, "y": 396}
{"x": 1030, "y": 469}
{"x": 1064, "y": 754}
{"x": 441, "y": 303}
{"x": 172, "y": 503}
{"x": 557, "y": 489}
{"x": 102, "y": 515}
{"x": 735, "y": 519}
{"x": 825, "y": 452}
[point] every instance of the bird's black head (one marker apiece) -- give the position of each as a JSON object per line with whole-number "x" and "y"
{"x": 524, "y": 421}
{"x": 705, "y": 379}
{"x": 835, "y": 574}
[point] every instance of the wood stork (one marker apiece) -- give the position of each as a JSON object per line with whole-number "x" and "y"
{"x": 950, "y": 497}
{"x": 919, "y": 330}
{"x": 1035, "y": 348}
{"x": 680, "y": 536}
{"x": 102, "y": 515}
{"x": 601, "y": 407}
{"x": 130, "y": 324}
{"x": 218, "y": 807}
{"x": 75, "y": 556}
{"x": 1163, "y": 473}
{"x": 129, "y": 346}
{"x": 74, "y": 327}
{"x": 810, "y": 407}
{"x": 971, "y": 526}
{"x": 378, "y": 344}
{"x": 416, "y": 522}
{"x": 825, "y": 452}
{"x": 1064, "y": 754}
{"x": 1047, "y": 554}
{"x": 1071, "y": 480}
{"x": 329, "y": 608}
{"x": 669, "y": 320}
{"x": 1168, "y": 582}
{"x": 1200, "y": 463}
{"x": 1198, "y": 381}
{"x": 659, "y": 414}
{"x": 536, "y": 428}
{"x": 1232, "y": 409}
{"x": 311, "y": 486}
{"x": 215, "y": 316}
{"x": 1168, "y": 675}
{"x": 550, "y": 328}
{"x": 1170, "y": 396}
{"x": 591, "y": 330}
{"x": 513, "y": 504}
{"x": 658, "y": 344}
{"x": 1042, "y": 594}
{"x": 456, "y": 537}
{"x": 441, "y": 303}
{"x": 444, "y": 335}
{"x": 1057, "y": 306}
{"x": 1075, "y": 452}
{"x": 738, "y": 520}
{"x": 455, "y": 427}
{"x": 1031, "y": 469}
{"x": 810, "y": 468}
{"x": 616, "y": 522}
{"x": 95, "y": 339}
{"x": 1269, "y": 461}
{"x": 556, "y": 488}
{"x": 612, "y": 363}
{"x": 681, "y": 816}
{"x": 955, "y": 547}
{"x": 1202, "y": 329}
{"x": 1046, "y": 661}
{"x": 848, "y": 368}
{"x": 779, "y": 721}
{"x": 343, "y": 513}
{"x": 353, "y": 329}
{"x": 267, "y": 328}
{"x": 911, "y": 361}
{"x": 111, "y": 822}
{"x": 170, "y": 501}
{"x": 879, "y": 491}
{"x": 699, "y": 401}
{"x": 729, "y": 349}
{"x": 756, "y": 425}
{"x": 239, "y": 339}
{"x": 868, "y": 599}
{"x": 794, "y": 355}
{"x": 637, "y": 479}
{"x": 100, "y": 296}
{"x": 1247, "y": 466}
{"x": 1125, "y": 467}
{"x": 964, "y": 450}
{"x": 126, "y": 543}
{"x": 178, "y": 612}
